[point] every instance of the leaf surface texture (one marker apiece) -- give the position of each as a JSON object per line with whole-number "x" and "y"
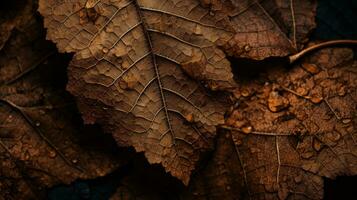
{"x": 138, "y": 65}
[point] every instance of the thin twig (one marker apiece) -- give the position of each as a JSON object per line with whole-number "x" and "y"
{"x": 297, "y": 56}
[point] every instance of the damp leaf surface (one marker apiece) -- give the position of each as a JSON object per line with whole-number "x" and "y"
{"x": 140, "y": 67}
{"x": 292, "y": 129}
{"x": 41, "y": 144}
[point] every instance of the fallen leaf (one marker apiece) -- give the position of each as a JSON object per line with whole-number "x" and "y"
{"x": 295, "y": 18}
{"x": 40, "y": 142}
{"x": 289, "y": 152}
{"x": 132, "y": 58}
{"x": 266, "y": 28}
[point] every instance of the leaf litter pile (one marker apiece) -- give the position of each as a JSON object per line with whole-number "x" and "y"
{"x": 230, "y": 97}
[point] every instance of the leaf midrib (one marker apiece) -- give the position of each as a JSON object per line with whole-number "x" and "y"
{"x": 153, "y": 57}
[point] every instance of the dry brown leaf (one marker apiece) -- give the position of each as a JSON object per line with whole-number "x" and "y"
{"x": 295, "y": 18}
{"x": 286, "y": 153}
{"x": 40, "y": 143}
{"x": 129, "y": 55}
{"x": 264, "y": 28}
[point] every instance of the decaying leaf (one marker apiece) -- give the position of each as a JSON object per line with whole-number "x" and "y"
{"x": 265, "y": 28}
{"x": 131, "y": 60}
{"x": 40, "y": 143}
{"x": 295, "y": 18}
{"x": 286, "y": 152}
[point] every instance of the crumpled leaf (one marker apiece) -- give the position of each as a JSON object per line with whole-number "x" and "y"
{"x": 40, "y": 143}
{"x": 132, "y": 57}
{"x": 291, "y": 129}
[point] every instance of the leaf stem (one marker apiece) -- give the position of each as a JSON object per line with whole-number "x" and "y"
{"x": 297, "y": 56}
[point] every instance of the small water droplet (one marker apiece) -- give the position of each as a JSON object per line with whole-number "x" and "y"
{"x": 312, "y": 68}
{"x": 74, "y": 161}
{"x": 317, "y": 145}
{"x": 316, "y": 99}
{"x": 105, "y": 50}
{"x": 52, "y": 154}
{"x": 247, "y": 48}
{"x": 247, "y": 129}
{"x": 302, "y": 91}
{"x": 37, "y": 124}
{"x": 189, "y": 117}
{"x": 346, "y": 121}
{"x": 245, "y": 93}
